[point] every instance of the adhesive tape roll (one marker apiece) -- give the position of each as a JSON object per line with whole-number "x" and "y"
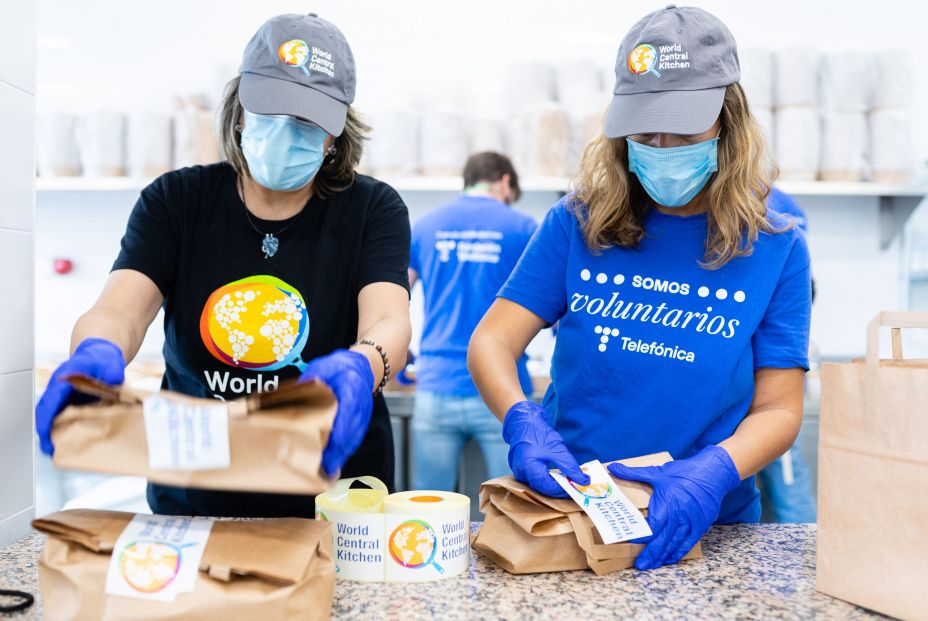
{"x": 405, "y": 537}
{"x": 428, "y": 535}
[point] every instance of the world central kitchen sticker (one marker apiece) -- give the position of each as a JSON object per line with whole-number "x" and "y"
{"x": 614, "y": 515}
{"x": 427, "y": 547}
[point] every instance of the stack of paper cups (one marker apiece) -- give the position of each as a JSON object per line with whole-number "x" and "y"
{"x": 797, "y": 143}
{"x": 891, "y": 150}
{"x": 102, "y": 142}
{"x": 443, "y": 146}
{"x": 58, "y": 154}
{"x": 757, "y": 78}
{"x": 795, "y": 80}
{"x": 847, "y": 81}
{"x": 892, "y": 79}
{"x": 844, "y": 146}
{"x": 405, "y": 537}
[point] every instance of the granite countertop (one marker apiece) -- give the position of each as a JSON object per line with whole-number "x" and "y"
{"x": 749, "y": 571}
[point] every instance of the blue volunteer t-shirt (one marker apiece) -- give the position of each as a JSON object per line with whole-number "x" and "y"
{"x": 655, "y": 353}
{"x": 463, "y": 252}
{"x": 783, "y": 203}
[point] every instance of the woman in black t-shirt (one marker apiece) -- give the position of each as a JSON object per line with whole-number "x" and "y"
{"x": 281, "y": 262}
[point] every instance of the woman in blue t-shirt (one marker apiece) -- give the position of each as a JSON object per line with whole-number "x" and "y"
{"x": 683, "y": 305}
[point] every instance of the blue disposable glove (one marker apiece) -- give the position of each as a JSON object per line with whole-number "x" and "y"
{"x": 534, "y": 447}
{"x": 348, "y": 374}
{"x": 96, "y": 358}
{"x": 687, "y": 497}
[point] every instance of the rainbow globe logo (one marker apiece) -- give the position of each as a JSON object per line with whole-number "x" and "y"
{"x": 258, "y": 323}
{"x": 642, "y": 59}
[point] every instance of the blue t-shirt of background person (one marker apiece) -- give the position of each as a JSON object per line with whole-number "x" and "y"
{"x": 463, "y": 252}
{"x": 654, "y": 352}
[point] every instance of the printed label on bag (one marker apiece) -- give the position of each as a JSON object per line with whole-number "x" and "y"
{"x": 613, "y": 514}
{"x": 358, "y": 539}
{"x": 186, "y": 436}
{"x": 157, "y": 556}
{"x": 426, "y": 548}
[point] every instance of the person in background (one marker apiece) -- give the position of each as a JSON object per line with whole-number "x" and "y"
{"x": 279, "y": 263}
{"x": 786, "y": 483}
{"x": 683, "y": 302}
{"x": 462, "y": 252}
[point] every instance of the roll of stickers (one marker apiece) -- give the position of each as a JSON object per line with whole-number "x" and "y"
{"x": 428, "y": 535}
{"x": 405, "y": 537}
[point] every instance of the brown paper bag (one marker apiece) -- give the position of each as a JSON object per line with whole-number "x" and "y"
{"x": 526, "y": 532}
{"x": 873, "y": 477}
{"x": 275, "y": 439}
{"x": 257, "y": 569}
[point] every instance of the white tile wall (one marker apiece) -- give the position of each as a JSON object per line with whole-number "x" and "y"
{"x": 17, "y": 199}
{"x": 17, "y": 167}
{"x": 16, "y": 312}
{"x": 16, "y": 440}
{"x": 18, "y": 44}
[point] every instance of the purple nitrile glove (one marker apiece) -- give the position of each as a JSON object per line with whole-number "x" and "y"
{"x": 96, "y": 358}
{"x": 687, "y": 497}
{"x": 348, "y": 374}
{"x": 534, "y": 447}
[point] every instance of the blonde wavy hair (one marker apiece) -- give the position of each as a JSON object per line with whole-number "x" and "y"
{"x": 611, "y": 205}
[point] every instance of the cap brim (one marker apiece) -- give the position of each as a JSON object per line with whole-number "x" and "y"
{"x": 666, "y": 112}
{"x": 263, "y": 95}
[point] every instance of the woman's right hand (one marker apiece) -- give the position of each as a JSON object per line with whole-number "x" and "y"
{"x": 94, "y": 357}
{"x": 534, "y": 447}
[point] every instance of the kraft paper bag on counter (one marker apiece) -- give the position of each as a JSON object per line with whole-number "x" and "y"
{"x": 526, "y": 532}
{"x": 115, "y": 566}
{"x": 268, "y": 442}
{"x": 873, "y": 477}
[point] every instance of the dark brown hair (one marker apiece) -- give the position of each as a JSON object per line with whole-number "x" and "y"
{"x": 337, "y": 172}
{"x": 491, "y": 166}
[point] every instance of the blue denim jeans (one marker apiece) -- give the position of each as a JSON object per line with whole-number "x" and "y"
{"x": 441, "y": 426}
{"x": 786, "y": 489}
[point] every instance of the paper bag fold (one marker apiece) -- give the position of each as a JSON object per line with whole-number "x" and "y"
{"x": 527, "y": 532}
{"x": 276, "y": 439}
{"x": 258, "y": 569}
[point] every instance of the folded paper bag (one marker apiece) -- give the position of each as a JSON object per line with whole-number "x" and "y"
{"x": 275, "y": 438}
{"x": 527, "y": 532}
{"x": 256, "y": 569}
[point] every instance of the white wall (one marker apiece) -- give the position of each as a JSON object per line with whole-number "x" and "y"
{"x": 118, "y": 55}
{"x": 17, "y": 105}
{"x": 111, "y": 53}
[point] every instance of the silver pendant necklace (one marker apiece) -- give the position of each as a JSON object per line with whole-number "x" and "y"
{"x": 270, "y": 243}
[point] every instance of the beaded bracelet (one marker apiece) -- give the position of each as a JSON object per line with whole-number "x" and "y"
{"x": 386, "y": 362}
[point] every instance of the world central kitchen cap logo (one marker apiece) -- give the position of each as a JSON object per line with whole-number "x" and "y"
{"x": 645, "y": 58}
{"x": 259, "y": 323}
{"x": 295, "y": 53}
{"x": 642, "y": 60}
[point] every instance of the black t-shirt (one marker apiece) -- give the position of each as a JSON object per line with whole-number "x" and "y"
{"x": 236, "y": 322}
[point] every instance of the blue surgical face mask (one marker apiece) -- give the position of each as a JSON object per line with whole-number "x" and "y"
{"x": 672, "y": 176}
{"x": 283, "y": 152}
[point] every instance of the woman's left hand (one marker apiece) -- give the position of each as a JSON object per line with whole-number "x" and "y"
{"x": 348, "y": 374}
{"x": 687, "y": 497}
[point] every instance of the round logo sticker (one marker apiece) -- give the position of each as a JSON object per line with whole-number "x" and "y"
{"x": 641, "y": 60}
{"x": 258, "y": 323}
{"x": 295, "y": 53}
{"x": 413, "y": 545}
{"x": 149, "y": 566}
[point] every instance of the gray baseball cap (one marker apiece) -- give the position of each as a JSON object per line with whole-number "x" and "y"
{"x": 299, "y": 65}
{"x": 671, "y": 73}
